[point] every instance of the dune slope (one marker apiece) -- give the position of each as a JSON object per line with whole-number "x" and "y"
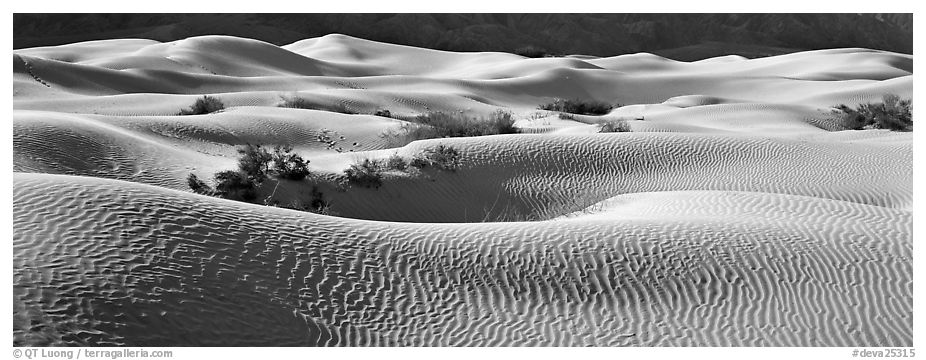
{"x": 729, "y": 268}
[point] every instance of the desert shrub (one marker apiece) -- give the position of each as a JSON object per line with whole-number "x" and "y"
{"x": 440, "y": 124}
{"x": 408, "y": 132}
{"x": 614, "y": 126}
{"x": 892, "y": 114}
{"x": 443, "y": 124}
{"x": 576, "y": 106}
{"x": 367, "y": 173}
{"x": 383, "y": 113}
{"x": 318, "y": 204}
{"x": 235, "y": 185}
{"x": 257, "y": 163}
{"x": 205, "y": 105}
{"x": 501, "y": 122}
{"x": 850, "y": 118}
{"x": 254, "y": 161}
{"x": 254, "y": 165}
{"x": 441, "y": 157}
{"x": 531, "y": 51}
{"x": 288, "y": 165}
{"x": 198, "y": 186}
{"x": 396, "y": 162}
{"x": 295, "y": 102}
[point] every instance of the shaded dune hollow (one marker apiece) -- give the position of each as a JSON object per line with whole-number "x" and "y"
{"x": 737, "y": 211}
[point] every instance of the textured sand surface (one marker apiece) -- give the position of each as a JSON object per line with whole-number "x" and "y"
{"x": 736, "y": 213}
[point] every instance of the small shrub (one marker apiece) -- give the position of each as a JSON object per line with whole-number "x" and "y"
{"x": 254, "y": 161}
{"x": 850, "y": 118}
{"x": 254, "y": 165}
{"x": 444, "y": 124}
{"x": 501, "y": 122}
{"x": 566, "y": 116}
{"x": 892, "y": 114}
{"x": 198, "y": 186}
{"x": 440, "y": 124}
{"x": 367, "y": 173}
{"x": 235, "y": 185}
{"x": 317, "y": 204}
{"x": 205, "y": 105}
{"x": 383, "y": 113}
{"x": 288, "y": 165}
{"x": 396, "y": 162}
{"x": 440, "y": 157}
{"x": 614, "y": 126}
{"x": 576, "y": 106}
{"x": 295, "y": 102}
{"x": 531, "y": 51}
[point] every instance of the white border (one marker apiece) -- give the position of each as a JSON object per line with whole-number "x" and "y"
{"x": 474, "y": 6}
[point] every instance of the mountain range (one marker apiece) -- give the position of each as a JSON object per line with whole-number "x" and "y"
{"x": 679, "y": 36}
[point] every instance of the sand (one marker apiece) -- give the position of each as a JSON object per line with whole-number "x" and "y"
{"x": 737, "y": 213}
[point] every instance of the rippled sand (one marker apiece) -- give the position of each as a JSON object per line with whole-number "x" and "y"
{"x": 735, "y": 214}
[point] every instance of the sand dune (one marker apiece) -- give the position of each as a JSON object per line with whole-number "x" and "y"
{"x": 208, "y": 64}
{"x": 689, "y": 268}
{"x": 516, "y": 174}
{"x": 737, "y": 212}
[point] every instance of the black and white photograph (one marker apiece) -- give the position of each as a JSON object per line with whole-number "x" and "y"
{"x": 461, "y": 179}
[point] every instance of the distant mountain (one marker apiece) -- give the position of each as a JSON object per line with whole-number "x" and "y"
{"x": 680, "y": 36}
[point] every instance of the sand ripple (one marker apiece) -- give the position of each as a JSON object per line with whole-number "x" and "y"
{"x": 108, "y": 262}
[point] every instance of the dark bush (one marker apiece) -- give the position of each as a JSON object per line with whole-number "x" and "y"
{"x": 288, "y": 165}
{"x": 254, "y": 165}
{"x": 892, "y": 114}
{"x": 501, "y": 122}
{"x": 448, "y": 124}
{"x": 235, "y": 185}
{"x": 440, "y": 157}
{"x": 850, "y": 118}
{"x": 576, "y": 106}
{"x": 367, "y": 173}
{"x": 318, "y": 204}
{"x": 614, "y": 126}
{"x": 198, "y": 186}
{"x": 440, "y": 124}
{"x": 296, "y": 102}
{"x": 383, "y": 113}
{"x": 254, "y": 161}
{"x": 205, "y": 105}
{"x": 396, "y": 162}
